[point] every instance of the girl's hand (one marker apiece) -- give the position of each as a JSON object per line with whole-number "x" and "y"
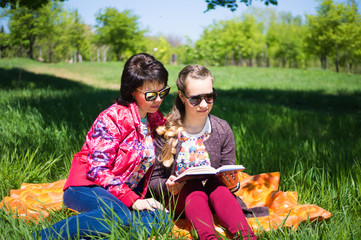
{"x": 174, "y": 187}
{"x": 147, "y": 204}
{"x": 230, "y": 179}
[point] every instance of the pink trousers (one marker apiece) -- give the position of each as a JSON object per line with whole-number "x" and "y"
{"x": 197, "y": 202}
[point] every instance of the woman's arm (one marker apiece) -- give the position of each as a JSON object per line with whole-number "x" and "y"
{"x": 103, "y": 142}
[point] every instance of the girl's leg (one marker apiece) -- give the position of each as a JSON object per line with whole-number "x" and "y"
{"x": 194, "y": 200}
{"x": 96, "y": 205}
{"x": 227, "y": 209}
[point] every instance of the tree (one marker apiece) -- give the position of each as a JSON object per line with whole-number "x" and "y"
{"x": 211, "y": 4}
{"x": 232, "y": 4}
{"x": 77, "y": 34}
{"x": 4, "y": 40}
{"x": 284, "y": 38}
{"x": 335, "y": 29}
{"x": 349, "y": 38}
{"x": 120, "y": 30}
{"x": 30, "y": 4}
{"x": 24, "y": 30}
{"x": 50, "y": 22}
{"x": 232, "y": 42}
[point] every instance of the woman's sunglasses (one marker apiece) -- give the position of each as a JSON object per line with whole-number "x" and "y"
{"x": 151, "y": 96}
{"x": 197, "y": 99}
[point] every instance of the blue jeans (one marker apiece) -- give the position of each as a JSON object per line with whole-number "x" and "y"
{"x": 98, "y": 210}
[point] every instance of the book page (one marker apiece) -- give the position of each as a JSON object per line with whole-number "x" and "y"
{"x": 227, "y": 168}
{"x": 204, "y": 172}
{"x": 196, "y": 172}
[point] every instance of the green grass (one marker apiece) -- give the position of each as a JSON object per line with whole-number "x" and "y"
{"x": 305, "y": 124}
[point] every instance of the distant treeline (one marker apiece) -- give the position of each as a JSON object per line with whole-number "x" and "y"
{"x": 331, "y": 39}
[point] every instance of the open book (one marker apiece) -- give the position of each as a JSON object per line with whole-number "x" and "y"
{"x": 204, "y": 172}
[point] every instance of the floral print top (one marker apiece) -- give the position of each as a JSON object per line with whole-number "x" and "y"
{"x": 148, "y": 156}
{"x": 193, "y": 152}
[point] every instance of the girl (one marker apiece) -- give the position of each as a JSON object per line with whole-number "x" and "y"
{"x": 192, "y": 137}
{"x": 108, "y": 178}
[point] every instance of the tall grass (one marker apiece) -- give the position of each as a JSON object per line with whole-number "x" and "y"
{"x": 305, "y": 124}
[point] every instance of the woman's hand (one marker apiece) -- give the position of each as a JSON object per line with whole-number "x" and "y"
{"x": 230, "y": 179}
{"x": 174, "y": 187}
{"x": 147, "y": 204}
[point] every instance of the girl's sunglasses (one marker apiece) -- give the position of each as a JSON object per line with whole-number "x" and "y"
{"x": 197, "y": 99}
{"x": 151, "y": 96}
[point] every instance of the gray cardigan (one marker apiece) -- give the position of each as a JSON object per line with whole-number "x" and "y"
{"x": 220, "y": 147}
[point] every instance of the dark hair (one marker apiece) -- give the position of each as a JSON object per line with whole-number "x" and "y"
{"x": 139, "y": 68}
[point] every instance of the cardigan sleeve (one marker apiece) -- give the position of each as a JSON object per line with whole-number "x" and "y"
{"x": 228, "y": 145}
{"x": 220, "y": 145}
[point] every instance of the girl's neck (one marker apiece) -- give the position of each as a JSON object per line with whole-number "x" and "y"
{"x": 194, "y": 126}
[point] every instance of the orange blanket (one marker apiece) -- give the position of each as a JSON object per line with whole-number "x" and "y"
{"x": 256, "y": 191}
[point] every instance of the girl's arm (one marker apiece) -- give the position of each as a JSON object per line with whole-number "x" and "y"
{"x": 228, "y": 156}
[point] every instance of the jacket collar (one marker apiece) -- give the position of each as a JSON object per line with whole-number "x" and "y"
{"x": 155, "y": 119}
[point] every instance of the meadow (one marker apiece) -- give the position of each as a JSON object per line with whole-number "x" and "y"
{"x": 303, "y": 123}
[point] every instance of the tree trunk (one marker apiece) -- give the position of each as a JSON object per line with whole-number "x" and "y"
{"x": 118, "y": 56}
{"x": 105, "y": 54}
{"x": 323, "y": 62}
{"x": 31, "y": 46}
{"x": 336, "y": 60}
{"x": 50, "y": 54}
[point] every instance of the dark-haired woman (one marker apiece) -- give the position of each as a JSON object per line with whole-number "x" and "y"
{"x": 108, "y": 178}
{"x": 190, "y": 138}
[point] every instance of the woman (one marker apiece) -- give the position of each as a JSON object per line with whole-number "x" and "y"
{"x": 108, "y": 178}
{"x": 192, "y": 137}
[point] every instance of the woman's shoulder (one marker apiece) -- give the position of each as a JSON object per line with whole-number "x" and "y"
{"x": 115, "y": 108}
{"x": 115, "y": 113}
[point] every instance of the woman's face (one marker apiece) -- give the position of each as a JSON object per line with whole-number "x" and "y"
{"x": 144, "y": 106}
{"x": 195, "y": 87}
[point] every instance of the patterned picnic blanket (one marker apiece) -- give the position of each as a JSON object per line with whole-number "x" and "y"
{"x": 260, "y": 190}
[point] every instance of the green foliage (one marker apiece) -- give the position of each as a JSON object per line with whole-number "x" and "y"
{"x": 160, "y": 48}
{"x": 57, "y": 34}
{"x": 31, "y": 4}
{"x": 284, "y": 39}
{"x": 4, "y": 41}
{"x": 232, "y": 4}
{"x": 330, "y": 32}
{"x": 228, "y": 42}
{"x": 120, "y": 30}
{"x": 258, "y": 38}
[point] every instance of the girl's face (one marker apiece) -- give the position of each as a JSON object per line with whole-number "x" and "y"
{"x": 195, "y": 87}
{"x": 144, "y": 106}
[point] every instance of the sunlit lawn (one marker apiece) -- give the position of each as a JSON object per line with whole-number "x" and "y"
{"x": 303, "y": 123}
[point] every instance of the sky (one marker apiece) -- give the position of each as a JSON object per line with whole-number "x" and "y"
{"x": 180, "y": 18}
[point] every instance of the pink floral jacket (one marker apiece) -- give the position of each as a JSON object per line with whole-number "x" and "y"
{"x": 112, "y": 152}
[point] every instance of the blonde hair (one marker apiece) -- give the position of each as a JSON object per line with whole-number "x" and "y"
{"x": 174, "y": 124}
